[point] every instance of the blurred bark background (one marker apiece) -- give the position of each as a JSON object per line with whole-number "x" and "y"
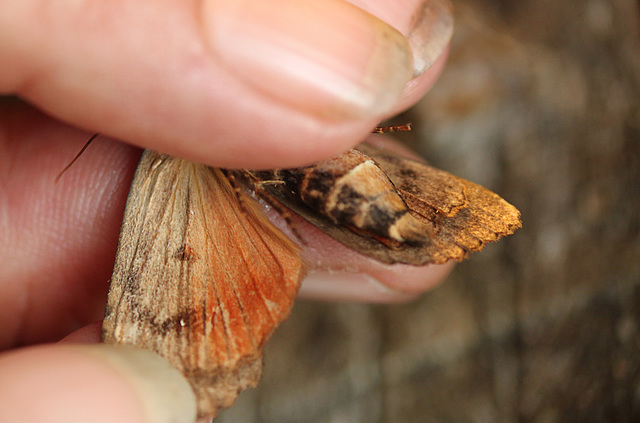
{"x": 540, "y": 102}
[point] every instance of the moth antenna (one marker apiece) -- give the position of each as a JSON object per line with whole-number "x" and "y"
{"x": 75, "y": 159}
{"x": 257, "y": 185}
{"x": 397, "y": 128}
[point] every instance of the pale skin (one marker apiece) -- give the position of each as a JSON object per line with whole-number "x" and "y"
{"x": 59, "y": 239}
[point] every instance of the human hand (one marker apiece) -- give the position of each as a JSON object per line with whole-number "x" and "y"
{"x": 201, "y": 80}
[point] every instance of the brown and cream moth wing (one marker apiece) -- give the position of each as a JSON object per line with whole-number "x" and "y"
{"x": 456, "y": 215}
{"x": 352, "y": 190}
{"x": 418, "y": 183}
{"x": 200, "y": 278}
{"x": 467, "y": 216}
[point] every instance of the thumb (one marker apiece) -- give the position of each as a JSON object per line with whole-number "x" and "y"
{"x": 231, "y": 83}
{"x": 96, "y": 383}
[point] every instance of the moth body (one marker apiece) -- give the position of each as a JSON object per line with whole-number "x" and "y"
{"x": 352, "y": 190}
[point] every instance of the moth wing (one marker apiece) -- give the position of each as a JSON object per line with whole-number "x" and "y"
{"x": 465, "y": 216}
{"x": 200, "y": 277}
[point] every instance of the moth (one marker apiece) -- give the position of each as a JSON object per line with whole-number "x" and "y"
{"x": 203, "y": 278}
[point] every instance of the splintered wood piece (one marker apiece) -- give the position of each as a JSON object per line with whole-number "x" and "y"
{"x": 201, "y": 278}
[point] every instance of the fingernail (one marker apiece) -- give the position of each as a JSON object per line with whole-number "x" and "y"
{"x": 345, "y": 286}
{"x": 430, "y": 32}
{"x": 328, "y": 58}
{"x": 165, "y": 394}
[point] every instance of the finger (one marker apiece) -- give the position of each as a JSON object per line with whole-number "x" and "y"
{"x": 58, "y": 238}
{"x": 92, "y": 383}
{"x": 375, "y": 283}
{"x": 340, "y": 274}
{"x": 89, "y": 334}
{"x": 428, "y": 26}
{"x": 230, "y": 83}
